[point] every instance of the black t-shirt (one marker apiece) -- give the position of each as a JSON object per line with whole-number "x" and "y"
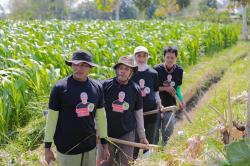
{"x": 121, "y": 102}
{"x": 148, "y": 83}
{"x": 76, "y": 102}
{"x": 168, "y": 78}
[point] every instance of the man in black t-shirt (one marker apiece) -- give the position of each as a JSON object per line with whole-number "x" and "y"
{"x": 147, "y": 78}
{"x": 169, "y": 80}
{"x": 123, "y": 105}
{"x": 75, "y": 103}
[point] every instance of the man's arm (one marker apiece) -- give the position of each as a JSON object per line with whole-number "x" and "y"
{"x": 140, "y": 123}
{"x": 158, "y": 100}
{"x": 101, "y": 122}
{"x": 180, "y": 97}
{"x": 140, "y": 126}
{"x": 178, "y": 93}
{"x": 50, "y": 129}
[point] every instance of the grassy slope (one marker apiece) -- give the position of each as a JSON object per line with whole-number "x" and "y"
{"x": 19, "y": 150}
{"x": 237, "y": 77}
{"x": 207, "y": 68}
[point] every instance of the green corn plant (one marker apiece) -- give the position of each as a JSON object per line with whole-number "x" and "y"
{"x": 32, "y": 53}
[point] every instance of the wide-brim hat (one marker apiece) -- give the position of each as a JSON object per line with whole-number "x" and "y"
{"x": 128, "y": 61}
{"x": 80, "y": 56}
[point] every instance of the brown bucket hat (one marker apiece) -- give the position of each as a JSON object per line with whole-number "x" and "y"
{"x": 81, "y": 56}
{"x": 127, "y": 60}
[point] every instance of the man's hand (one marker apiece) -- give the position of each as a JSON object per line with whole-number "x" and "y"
{"x": 106, "y": 153}
{"x": 182, "y": 105}
{"x": 49, "y": 155}
{"x": 97, "y": 139}
{"x": 160, "y": 108}
{"x": 170, "y": 90}
{"x": 144, "y": 141}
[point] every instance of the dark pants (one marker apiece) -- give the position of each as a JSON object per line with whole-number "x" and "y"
{"x": 152, "y": 134}
{"x": 167, "y": 131}
{"x": 179, "y": 115}
{"x": 152, "y": 130}
{"x": 120, "y": 155}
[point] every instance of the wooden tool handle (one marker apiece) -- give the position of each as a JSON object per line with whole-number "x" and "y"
{"x": 134, "y": 144}
{"x": 151, "y": 112}
{"x": 170, "y": 108}
{"x": 165, "y": 109}
{"x": 184, "y": 110}
{"x": 187, "y": 116}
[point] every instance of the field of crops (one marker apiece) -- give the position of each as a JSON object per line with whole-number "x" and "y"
{"x": 32, "y": 54}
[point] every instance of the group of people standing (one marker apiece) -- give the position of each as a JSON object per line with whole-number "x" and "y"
{"x": 84, "y": 112}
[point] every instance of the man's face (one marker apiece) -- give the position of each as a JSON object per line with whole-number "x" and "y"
{"x": 141, "y": 58}
{"x": 123, "y": 72}
{"x": 80, "y": 70}
{"x": 170, "y": 59}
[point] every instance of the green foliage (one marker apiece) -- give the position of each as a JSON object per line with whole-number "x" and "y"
{"x": 106, "y": 5}
{"x": 241, "y": 2}
{"x": 206, "y": 4}
{"x": 142, "y": 5}
{"x": 128, "y": 11}
{"x": 183, "y": 3}
{"x": 33, "y": 9}
{"x": 238, "y": 153}
{"x": 212, "y": 15}
{"x": 166, "y": 8}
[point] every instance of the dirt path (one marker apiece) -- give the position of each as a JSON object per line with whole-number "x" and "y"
{"x": 193, "y": 110}
{"x": 200, "y": 97}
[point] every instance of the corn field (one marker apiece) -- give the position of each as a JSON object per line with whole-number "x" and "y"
{"x": 32, "y": 54}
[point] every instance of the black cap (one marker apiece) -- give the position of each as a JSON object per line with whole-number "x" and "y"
{"x": 81, "y": 56}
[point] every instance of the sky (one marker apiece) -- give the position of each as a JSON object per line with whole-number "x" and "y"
{"x": 4, "y": 4}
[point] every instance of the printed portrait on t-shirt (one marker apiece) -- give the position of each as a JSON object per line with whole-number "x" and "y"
{"x": 144, "y": 90}
{"x": 169, "y": 81}
{"x": 84, "y": 107}
{"x": 120, "y": 105}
